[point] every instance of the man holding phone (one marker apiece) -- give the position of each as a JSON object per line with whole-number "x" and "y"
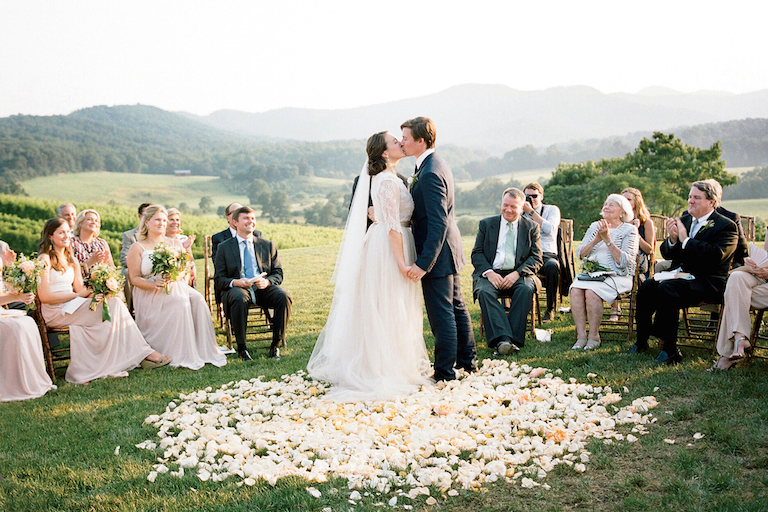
{"x": 548, "y": 219}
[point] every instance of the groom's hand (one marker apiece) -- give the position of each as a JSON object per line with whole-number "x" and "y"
{"x": 416, "y": 273}
{"x": 510, "y": 280}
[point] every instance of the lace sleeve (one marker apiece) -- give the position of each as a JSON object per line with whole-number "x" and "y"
{"x": 389, "y": 205}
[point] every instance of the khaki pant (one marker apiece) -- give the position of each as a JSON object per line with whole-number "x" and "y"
{"x": 742, "y": 291}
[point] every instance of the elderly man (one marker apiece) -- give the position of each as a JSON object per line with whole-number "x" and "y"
{"x": 68, "y": 212}
{"x": 548, "y": 219}
{"x": 506, "y": 257}
{"x": 701, "y": 243}
{"x": 229, "y": 232}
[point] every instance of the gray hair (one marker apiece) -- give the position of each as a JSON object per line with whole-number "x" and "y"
{"x": 61, "y": 207}
{"x": 627, "y": 215}
{"x": 513, "y": 192}
{"x": 711, "y": 188}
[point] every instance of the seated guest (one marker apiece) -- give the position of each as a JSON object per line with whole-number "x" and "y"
{"x": 68, "y": 212}
{"x": 506, "y": 256}
{"x": 7, "y": 257}
{"x": 747, "y": 286}
{"x": 174, "y": 232}
{"x": 548, "y": 219}
{"x": 613, "y": 243}
{"x": 742, "y": 247}
{"x": 229, "y": 232}
{"x": 22, "y": 367}
{"x": 89, "y": 249}
{"x": 701, "y": 243}
{"x": 98, "y": 348}
{"x": 646, "y": 230}
{"x": 172, "y": 316}
{"x": 129, "y": 238}
{"x": 248, "y": 271}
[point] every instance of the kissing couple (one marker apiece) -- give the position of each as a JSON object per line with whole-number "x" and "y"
{"x": 372, "y": 346}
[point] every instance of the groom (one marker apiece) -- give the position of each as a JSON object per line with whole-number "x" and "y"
{"x": 440, "y": 255}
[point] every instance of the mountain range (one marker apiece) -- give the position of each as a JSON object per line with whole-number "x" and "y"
{"x": 497, "y": 118}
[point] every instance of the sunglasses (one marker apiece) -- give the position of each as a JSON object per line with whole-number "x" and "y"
{"x": 533, "y": 195}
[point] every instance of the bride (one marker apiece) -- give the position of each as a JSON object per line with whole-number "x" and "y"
{"x": 372, "y": 346}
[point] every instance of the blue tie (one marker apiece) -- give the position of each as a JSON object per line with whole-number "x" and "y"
{"x": 249, "y": 269}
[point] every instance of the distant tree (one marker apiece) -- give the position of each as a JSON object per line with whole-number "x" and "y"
{"x": 751, "y": 185}
{"x": 662, "y": 167}
{"x": 206, "y": 203}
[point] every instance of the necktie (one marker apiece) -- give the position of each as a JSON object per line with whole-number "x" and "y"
{"x": 510, "y": 246}
{"x": 249, "y": 269}
{"x": 694, "y": 227}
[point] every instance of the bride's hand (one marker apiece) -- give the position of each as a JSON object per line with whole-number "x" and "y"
{"x": 404, "y": 271}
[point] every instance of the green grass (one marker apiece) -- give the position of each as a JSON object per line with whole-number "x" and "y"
{"x": 57, "y": 452}
{"x": 754, "y": 207}
{"x": 130, "y": 189}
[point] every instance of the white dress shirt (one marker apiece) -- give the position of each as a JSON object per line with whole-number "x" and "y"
{"x": 498, "y": 260}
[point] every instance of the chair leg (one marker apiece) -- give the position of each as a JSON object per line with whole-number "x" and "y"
{"x": 228, "y": 331}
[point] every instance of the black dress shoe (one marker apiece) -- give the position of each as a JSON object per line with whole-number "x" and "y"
{"x": 244, "y": 355}
{"x": 637, "y": 349}
{"x": 549, "y": 315}
{"x": 670, "y": 358}
{"x": 274, "y": 352}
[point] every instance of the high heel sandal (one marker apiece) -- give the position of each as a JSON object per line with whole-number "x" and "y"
{"x": 742, "y": 348}
{"x": 725, "y": 363}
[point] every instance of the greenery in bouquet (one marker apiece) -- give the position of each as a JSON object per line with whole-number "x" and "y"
{"x": 106, "y": 282}
{"x": 590, "y": 266}
{"x": 23, "y": 275}
{"x": 169, "y": 263}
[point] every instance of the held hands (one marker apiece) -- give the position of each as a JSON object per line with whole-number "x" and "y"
{"x": 415, "y": 273}
{"x": 603, "y": 230}
{"x": 99, "y": 256}
{"x": 26, "y": 298}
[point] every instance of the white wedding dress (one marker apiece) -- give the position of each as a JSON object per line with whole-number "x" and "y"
{"x": 372, "y": 346}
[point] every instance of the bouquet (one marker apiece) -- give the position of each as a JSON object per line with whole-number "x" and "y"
{"x": 106, "y": 282}
{"x": 168, "y": 262}
{"x": 590, "y": 266}
{"x": 23, "y": 275}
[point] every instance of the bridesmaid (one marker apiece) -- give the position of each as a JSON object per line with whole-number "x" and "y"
{"x": 98, "y": 349}
{"x": 89, "y": 249}
{"x": 174, "y": 232}
{"x": 177, "y": 322}
{"x": 22, "y": 367}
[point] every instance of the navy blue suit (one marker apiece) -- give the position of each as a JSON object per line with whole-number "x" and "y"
{"x": 707, "y": 257}
{"x": 439, "y": 253}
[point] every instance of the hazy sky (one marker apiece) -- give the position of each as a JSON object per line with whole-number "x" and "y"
{"x": 201, "y": 56}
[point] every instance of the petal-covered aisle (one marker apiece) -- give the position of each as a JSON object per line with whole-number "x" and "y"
{"x": 505, "y": 421}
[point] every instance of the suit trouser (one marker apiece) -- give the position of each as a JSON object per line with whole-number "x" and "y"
{"x": 237, "y": 301}
{"x": 450, "y": 324}
{"x": 499, "y": 324}
{"x": 742, "y": 291}
{"x": 659, "y": 303}
{"x": 551, "y": 272}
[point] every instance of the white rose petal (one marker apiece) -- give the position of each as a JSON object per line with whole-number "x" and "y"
{"x": 698, "y": 435}
{"x": 117, "y": 450}
{"x": 314, "y": 492}
{"x": 669, "y": 441}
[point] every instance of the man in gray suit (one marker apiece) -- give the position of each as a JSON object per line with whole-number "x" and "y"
{"x": 506, "y": 257}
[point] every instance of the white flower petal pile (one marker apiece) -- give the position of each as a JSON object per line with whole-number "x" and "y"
{"x": 506, "y": 421}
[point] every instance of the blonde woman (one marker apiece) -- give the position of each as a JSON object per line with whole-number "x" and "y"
{"x": 88, "y": 248}
{"x": 174, "y": 232}
{"x": 173, "y": 316}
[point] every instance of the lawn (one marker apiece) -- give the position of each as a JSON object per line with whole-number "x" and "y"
{"x": 58, "y": 452}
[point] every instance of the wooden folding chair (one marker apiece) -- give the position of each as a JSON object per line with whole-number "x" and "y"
{"x": 259, "y": 325}
{"x": 622, "y": 328}
{"x": 534, "y": 318}
{"x": 759, "y": 337}
{"x": 56, "y": 358}
{"x": 208, "y": 283}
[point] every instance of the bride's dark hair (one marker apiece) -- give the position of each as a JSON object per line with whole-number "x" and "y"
{"x": 375, "y": 147}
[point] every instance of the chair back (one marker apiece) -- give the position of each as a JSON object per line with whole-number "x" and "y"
{"x": 56, "y": 357}
{"x": 660, "y": 222}
{"x": 209, "y": 290}
{"x": 748, "y": 224}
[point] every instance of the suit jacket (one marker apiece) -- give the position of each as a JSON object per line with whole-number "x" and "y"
{"x": 528, "y": 258}
{"x": 437, "y": 237}
{"x": 742, "y": 249}
{"x": 229, "y": 266}
{"x": 707, "y": 256}
{"x": 129, "y": 238}
{"x": 219, "y": 237}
